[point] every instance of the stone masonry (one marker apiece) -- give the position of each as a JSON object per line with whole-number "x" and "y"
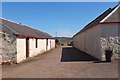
{"x": 8, "y": 47}
{"x": 112, "y": 43}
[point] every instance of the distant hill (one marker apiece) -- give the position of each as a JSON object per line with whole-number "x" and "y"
{"x": 64, "y": 40}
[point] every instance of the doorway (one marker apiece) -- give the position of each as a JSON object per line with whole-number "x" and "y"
{"x": 27, "y": 47}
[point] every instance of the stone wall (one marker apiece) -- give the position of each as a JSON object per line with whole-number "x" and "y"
{"x": 111, "y": 43}
{"x": 109, "y": 39}
{"x": 0, "y": 43}
{"x": 8, "y": 47}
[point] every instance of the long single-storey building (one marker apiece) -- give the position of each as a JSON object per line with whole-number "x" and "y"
{"x": 20, "y": 41}
{"x": 101, "y": 34}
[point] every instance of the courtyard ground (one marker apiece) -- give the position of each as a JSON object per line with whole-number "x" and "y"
{"x": 62, "y": 62}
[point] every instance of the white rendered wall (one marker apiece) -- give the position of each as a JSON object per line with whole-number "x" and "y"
{"x": 79, "y": 41}
{"x": 33, "y": 51}
{"x": 49, "y": 45}
{"x": 52, "y": 43}
{"x": 93, "y": 44}
{"x": 89, "y": 42}
{"x": 21, "y": 49}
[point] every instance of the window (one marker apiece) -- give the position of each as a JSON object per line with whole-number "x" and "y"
{"x": 36, "y": 43}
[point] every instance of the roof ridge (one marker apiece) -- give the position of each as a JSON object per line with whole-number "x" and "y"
{"x": 9, "y": 20}
{"x": 18, "y": 23}
{"x": 26, "y": 31}
{"x": 24, "y": 25}
{"x": 96, "y": 20}
{"x": 112, "y": 11}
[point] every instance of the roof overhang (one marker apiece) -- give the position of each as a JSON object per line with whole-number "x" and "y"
{"x": 28, "y": 36}
{"x": 83, "y": 30}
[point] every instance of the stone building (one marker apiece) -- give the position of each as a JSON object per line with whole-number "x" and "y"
{"x": 20, "y": 41}
{"x": 100, "y": 34}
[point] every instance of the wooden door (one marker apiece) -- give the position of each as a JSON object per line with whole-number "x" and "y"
{"x": 46, "y": 44}
{"x": 27, "y": 47}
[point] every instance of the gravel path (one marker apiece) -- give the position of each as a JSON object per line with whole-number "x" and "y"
{"x": 61, "y": 63}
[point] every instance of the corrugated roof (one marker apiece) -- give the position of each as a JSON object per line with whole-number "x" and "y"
{"x": 98, "y": 19}
{"x": 25, "y": 31}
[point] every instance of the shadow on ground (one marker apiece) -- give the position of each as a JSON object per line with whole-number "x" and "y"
{"x": 70, "y": 54}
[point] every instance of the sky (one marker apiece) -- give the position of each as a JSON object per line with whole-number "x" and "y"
{"x": 65, "y": 18}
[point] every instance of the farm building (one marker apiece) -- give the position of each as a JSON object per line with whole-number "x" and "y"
{"x": 20, "y": 41}
{"x": 100, "y": 35}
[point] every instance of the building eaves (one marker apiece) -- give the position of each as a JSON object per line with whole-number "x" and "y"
{"x": 96, "y": 21}
{"x": 24, "y": 31}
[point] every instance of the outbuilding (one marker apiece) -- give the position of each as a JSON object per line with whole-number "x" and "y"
{"x": 20, "y": 41}
{"x": 101, "y": 34}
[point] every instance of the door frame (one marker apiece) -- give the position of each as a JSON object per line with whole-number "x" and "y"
{"x": 46, "y": 44}
{"x": 27, "y": 47}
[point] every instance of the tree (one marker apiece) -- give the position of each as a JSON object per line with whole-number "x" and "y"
{"x": 57, "y": 42}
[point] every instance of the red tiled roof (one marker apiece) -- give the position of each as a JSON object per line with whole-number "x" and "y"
{"x": 25, "y": 31}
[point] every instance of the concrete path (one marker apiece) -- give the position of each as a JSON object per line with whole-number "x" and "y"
{"x": 61, "y": 63}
